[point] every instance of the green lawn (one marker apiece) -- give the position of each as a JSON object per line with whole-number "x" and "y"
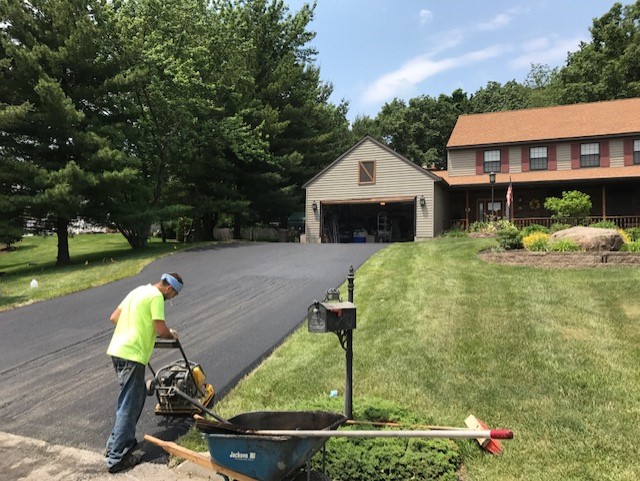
{"x": 552, "y": 354}
{"x": 96, "y": 260}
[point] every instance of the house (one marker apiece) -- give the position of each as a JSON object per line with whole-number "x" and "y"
{"x": 591, "y": 147}
{"x": 373, "y": 194}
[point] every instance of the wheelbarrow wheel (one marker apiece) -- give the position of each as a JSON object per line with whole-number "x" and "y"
{"x": 313, "y": 476}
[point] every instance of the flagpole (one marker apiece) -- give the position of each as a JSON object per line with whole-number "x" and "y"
{"x": 510, "y": 200}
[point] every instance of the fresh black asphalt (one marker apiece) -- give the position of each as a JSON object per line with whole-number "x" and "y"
{"x": 239, "y": 302}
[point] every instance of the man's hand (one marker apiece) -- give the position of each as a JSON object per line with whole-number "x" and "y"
{"x": 174, "y": 333}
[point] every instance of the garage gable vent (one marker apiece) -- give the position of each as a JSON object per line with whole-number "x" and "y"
{"x": 367, "y": 172}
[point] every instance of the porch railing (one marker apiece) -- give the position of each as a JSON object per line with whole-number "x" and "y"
{"x": 623, "y": 222}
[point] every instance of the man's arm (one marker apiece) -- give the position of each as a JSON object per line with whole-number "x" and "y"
{"x": 115, "y": 315}
{"x": 164, "y": 331}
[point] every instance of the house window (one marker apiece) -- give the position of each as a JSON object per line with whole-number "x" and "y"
{"x": 636, "y": 151}
{"x": 538, "y": 159}
{"x": 367, "y": 172}
{"x": 590, "y": 155}
{"x": 491, "y": 161}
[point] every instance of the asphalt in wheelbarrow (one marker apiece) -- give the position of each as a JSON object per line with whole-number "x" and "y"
{"x": 236, "y": 445}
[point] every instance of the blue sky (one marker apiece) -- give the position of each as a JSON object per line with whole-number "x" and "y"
{"x": 373, "y": 51}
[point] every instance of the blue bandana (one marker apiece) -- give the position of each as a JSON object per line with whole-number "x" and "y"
{"x": 175, "y": 283}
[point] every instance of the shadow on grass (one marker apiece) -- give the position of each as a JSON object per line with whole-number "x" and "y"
{"x": 11, "y": 300}
{"x": 79, "y": 261}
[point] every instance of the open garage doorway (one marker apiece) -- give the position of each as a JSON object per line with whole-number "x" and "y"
{"x": 368, "y": 221}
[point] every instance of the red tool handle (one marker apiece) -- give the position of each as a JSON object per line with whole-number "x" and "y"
{"x": 501, "y": 434}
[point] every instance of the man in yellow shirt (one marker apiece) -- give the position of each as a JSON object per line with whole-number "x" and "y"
{"x": 139, "y": 319}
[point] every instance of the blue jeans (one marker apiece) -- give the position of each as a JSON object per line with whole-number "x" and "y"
{"x": 130, "y": 403}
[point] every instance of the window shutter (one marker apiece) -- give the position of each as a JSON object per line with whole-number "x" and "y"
{"x": 604, "y": 153}
{"x": 628, "y": 152}
{"x": 504, "y": 160}
{"x": 553, "y": 157}
{"x": 575, "y": 155}
{"x": 479, "y": 162}
{"x": 525, "y": 159}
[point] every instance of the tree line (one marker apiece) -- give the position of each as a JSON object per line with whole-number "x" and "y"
{"x": 133, "y": 112}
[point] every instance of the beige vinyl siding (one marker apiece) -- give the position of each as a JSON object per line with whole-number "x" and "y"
{"x": 563, "y": 156}
{"x": 616, "y": 153}
{"x": 394, "y": 178}
{"x": 461, "y": 162}
{"x": 515, "y": 160}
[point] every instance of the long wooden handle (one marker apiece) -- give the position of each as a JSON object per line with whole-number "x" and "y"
{"x": 198, "y": 458}
{"x": 432, "y": 433}
{"x": 391, "y": 424}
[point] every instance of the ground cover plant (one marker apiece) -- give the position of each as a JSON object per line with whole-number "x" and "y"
{"x": 96, "y": 260}
{"x": 551, "y": 354}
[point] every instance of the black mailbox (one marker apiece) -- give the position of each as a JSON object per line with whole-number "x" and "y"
{"x": 331, "y": 316}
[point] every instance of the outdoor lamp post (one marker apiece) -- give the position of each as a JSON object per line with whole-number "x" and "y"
{"x": 492, "y": 181}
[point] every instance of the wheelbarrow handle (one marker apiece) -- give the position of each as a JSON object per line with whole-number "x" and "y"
{"x": 200, "y": 459}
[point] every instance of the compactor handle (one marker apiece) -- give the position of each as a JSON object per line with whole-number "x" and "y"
{"x": 168, "y": 344}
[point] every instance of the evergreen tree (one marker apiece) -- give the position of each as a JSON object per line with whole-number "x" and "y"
{"x": 53, "y": 76}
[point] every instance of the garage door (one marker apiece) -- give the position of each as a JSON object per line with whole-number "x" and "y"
{"x": 370, "y": 220}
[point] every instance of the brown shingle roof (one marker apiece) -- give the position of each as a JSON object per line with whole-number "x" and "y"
{"x": 563, "y": 122}
{"x": 629, "y": 172}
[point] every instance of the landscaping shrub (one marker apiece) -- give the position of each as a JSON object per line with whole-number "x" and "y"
{"x": 536, "y": 242}
{"x": 489, "y": 227}
{"x": 604, "y": 224}
{"x": 509, "y": 237}
{"x": 625, "y": 237}
{"x": 480, "y": 226}
{"x": 556, "y": 226}
{"x": 633, "y": 233}
{"x": 457, "y": 232}
{"x": 530, "y": 229}
{"x": 388, "y": 459}
{"x": 564, "y": 245}
{"x": 633, "y": 246}
{"x": 572, "y": 208}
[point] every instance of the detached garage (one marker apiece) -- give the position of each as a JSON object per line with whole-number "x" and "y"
{"x": 373, "y": 194}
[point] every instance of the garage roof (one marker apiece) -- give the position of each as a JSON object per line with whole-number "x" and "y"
{"x": 381, "y": 145}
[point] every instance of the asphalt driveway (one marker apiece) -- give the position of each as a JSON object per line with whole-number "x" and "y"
{"x": 239, "y": 302}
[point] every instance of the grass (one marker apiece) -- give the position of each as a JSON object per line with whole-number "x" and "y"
{"x": 551, "y": 354}
{"x": 96, "y": 259}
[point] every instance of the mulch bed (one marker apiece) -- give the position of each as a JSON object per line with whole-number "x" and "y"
{"x": 562, "y": 259}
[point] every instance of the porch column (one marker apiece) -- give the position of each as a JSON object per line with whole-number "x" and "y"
{"x": 604, "y": 202}
{"x": 466, "y": 209}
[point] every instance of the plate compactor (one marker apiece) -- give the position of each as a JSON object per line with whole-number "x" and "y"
{"x": 180, "y": 386}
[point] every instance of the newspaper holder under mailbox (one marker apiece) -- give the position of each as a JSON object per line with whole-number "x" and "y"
{"x": 332, "y": 316}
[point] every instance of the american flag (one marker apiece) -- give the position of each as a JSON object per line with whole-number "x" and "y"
{"x": 509, "y": 194}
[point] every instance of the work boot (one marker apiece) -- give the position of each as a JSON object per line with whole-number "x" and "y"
{"x": 128, "y": 461}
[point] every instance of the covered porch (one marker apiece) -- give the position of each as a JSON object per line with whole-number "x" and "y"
{"x": 615, "y": 200}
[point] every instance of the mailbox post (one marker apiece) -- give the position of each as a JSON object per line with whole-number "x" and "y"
{"x": 335, "y": 315}
{"x": 348, "y": 384}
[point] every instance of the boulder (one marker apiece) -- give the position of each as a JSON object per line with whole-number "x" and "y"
{"x": 591, "y": 238}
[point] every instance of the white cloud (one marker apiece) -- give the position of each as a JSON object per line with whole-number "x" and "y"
{"x": 420, "y": 68}
{"x": 425, "y": 16}
{"x": 499, "y": 21}
{"x": 545, "y": 51}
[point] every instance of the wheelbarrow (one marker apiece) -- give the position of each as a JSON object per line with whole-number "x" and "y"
{"x": 240, "y": 451}
{"x": 274, "y": 446}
